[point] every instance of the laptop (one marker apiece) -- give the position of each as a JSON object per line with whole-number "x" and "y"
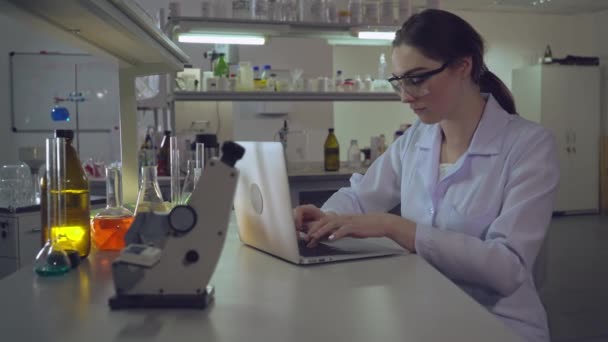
{"x": 264, "y": 213}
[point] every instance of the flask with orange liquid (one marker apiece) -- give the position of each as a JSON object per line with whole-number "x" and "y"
{"x": 111, "y": 224}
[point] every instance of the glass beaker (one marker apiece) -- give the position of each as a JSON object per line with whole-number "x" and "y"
{"x": 111, "y": 224}
{"x": 149, "y": 197}
{"x": 33, "y": 156}
{"x": 190, "y": 182}
{"x": 52, "y": 259}
{"x": 175, "y": 172}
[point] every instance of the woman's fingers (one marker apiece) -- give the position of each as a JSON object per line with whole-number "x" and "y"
{"x": 344, "y": 231}
{"x": 323, "y": 230}
{"x": 305, "y": 213}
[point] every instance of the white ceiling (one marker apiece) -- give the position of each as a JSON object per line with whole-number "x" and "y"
{"x": 529, "y": 6}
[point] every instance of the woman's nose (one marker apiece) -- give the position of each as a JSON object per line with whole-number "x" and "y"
{"x": 405, "y": 97}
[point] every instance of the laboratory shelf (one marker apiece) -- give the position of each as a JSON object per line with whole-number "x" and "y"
{"x": 329, "y": 31}
{"x": 282, "y": 96}
{"x": 117, "y": 28}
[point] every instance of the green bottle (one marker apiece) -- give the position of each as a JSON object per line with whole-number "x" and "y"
{"x": 331, "y": 151}
{"x": 221, "y": 68}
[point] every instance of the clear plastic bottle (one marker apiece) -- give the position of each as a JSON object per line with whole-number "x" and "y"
{"x": 275, "y": 12}
{"x": 354, "y": 155}
{"x": 371, "y": 12}
{"x": 271, "y": 82}
{"x": 223, "y": 9}
{"x": 245, "y": 77}
{"x": 259, "y": 9}
{"x": 289, "y": 10}
{"x": 339, "y": 81}
{"x": 208, "y": 9}
{"x": 265, "y": 76}
{"x": 303, "y": 10}
{"x": 257, "y": 78}
{"x": 382, "y": 75}
{"x": 318, "y": 11}
{"x": 332, "y": 11}
{"x": 241, "y": 9}
{"x": 266, "y": 73}
{"x": 355, "y": 7}
{"x": 387, "y": 12}
{"x": 405, "y": 10}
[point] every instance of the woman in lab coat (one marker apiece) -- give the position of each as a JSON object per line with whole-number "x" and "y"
{"x": 476, "y": 182}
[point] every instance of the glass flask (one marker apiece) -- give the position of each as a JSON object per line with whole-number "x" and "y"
{"x": 111, "y": 224}
{"x": 149, "y": 198}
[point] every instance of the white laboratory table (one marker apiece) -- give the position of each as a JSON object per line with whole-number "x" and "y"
{"x": 258, "y": 298}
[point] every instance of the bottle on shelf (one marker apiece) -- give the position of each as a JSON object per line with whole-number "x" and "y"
{"x": 355, "y": 7}
{"x": 275, "y": 12}
{"x": 271, "y": 83}
{"x": 303, "y": 10}
{"x": 221, "y": 67}
{"x": 387, "y": 12}
{"x": 245, "y": 80}
{"x": 164, "y": 155}
{"x": 339, "y": 81}
{"x": 331, "y": 152}
{"x": 259, "y": 9}
{"x": 241, "y": 9}
{"x": 112, "y": 223}
{"x": 257, "y": 78}
{"x": 332, "y": 11}
{"x": 75, "y": 231}
{"x": 264, "y": 77}
{"x": 318, "y": 11}
{"x": 223, "y": 9}
{"x": 548, "y": 56}
{"x": 405, "y": 10}
{"x": 354, "y": 155}
{"x": 289, "y": 10}
{"x": 371, "y": 12}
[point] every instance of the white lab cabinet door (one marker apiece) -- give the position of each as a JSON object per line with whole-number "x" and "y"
{"x": 566, "y": 99}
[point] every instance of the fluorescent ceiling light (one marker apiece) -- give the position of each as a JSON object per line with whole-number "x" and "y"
{"x": 376, "y": 35}
{"x": 201, "y": 38}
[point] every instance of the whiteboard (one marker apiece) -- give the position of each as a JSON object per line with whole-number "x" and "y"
{"x": 37, "y": 78}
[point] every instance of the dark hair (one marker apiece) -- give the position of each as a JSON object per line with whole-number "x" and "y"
{"x": 443, "y": 36}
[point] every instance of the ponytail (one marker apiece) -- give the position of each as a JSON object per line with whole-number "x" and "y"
{"x": 490, "y": 83}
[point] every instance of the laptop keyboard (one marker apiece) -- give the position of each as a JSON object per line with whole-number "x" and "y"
{"x": 320, "y": 250}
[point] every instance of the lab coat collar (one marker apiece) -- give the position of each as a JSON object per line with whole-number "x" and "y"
{"x": 487, "y": 140}
{"x": 488, "y": 137}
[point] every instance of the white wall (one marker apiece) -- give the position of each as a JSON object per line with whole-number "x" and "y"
{"x": 513, "y": 40}
{"x": 17, "y": 37}
{"x": 600, "y": 45}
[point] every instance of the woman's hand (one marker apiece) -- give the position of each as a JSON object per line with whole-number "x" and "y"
{"x": 304, "y": 215}
{"x": 335, "y": 227}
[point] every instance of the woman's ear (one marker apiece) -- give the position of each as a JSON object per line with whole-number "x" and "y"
{"x": 463, "y": 67}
